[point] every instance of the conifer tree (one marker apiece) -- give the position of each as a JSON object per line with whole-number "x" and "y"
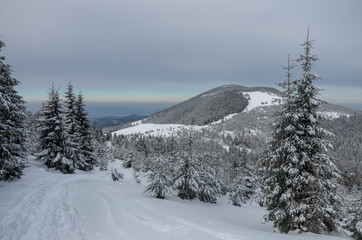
{"x": 71, "y": 124}
{"x": 297, "y": 173}
{"x": 210, "y": 184}
{"x": 86, "y": 157}
{"x": 242, "y": 179}
{"x": 354, "y": 219}
{"x": 159, "y": 178}
{"x": 55, "y": 148}
{"x": 186, "y": 172}
{"x": 187, "y": 175}
{"x": 12, "y": 125}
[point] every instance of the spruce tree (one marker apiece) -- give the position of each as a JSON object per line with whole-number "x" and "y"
{"x": 86, "y": 158}
{"x": 186, "y": 175}
{"x": 210, "y": 184}
{"x": 55, "y": 148}
{"x": 71, "y": 124}
{"x": 297, "y": 173}
{"x": 354, "y": 219}
{"x": 12, "y": 125}
{"x": 242, "y": 179}
{"x": 186, "y": 168}
{"x": 159, "y": 178}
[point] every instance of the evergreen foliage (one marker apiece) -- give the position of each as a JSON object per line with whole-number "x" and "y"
{"x": 13, "y": 131}
{"x": 159, "y": 178}
{"x": 55, "y": 148}
{"x": 70, "y": 120}
{"x": 242, "y": 179}
{"x": 186, "y": 175}
{"x": 210, "y": 182}
{"x": 85, "y": 154}
{"x": 297, "y": 175}
{"x": 354, "y": 220}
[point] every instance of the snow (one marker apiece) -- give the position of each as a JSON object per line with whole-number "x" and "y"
{"x": 260, "y": 99}
{"x": 332, "y": 115}
{"x": 151, "y": 129}
{"x": 228, "y": 117}
{"x": 48, "y": 205}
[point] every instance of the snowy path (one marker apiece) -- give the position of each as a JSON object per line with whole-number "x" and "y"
{"x": 47, "y": 205}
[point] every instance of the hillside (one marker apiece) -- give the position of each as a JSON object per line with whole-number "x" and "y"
{"x": 209, "y": 106}
{"x": 252, "y": 127}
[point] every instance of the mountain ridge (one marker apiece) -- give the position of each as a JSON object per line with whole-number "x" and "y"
{"x": 209, "y": 106}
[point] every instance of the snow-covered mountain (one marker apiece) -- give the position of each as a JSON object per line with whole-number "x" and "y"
{"x": 215, "y": 104}
{"x": 250, "y": 127}
{"x": 230, "y": 108}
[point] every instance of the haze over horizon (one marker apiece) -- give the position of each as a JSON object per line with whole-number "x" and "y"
{"x": 147, "y": 55}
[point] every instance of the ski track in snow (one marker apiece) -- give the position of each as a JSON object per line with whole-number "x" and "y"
{"x": 48, "y": 205}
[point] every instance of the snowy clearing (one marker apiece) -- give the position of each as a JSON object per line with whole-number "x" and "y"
{"x": 48, "y": 205}
{"x": 260, "y": 99}
{"x": 151, "y": 129}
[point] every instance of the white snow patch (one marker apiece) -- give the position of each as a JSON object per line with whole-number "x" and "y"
{"x": 209, "y": 94}
{"x": 151, "y": 129}
{"x": 333, "y": 115}
{"x": 260, "y": 99}
{"x": 228, "y": 117}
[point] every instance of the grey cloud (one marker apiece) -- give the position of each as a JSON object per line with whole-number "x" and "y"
{"x": 172, "y": 43}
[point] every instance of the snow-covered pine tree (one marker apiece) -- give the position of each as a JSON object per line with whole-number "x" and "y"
{"x": 186, "y": 175}
{"x": 298, "y": 175}
{"x": 242, "y": 179}
{"x": 210, "y": 182}
{"x": 159, "y": 178}
{"x": 71, "y": 124}
{"x": 186, "y": 171}
{"x": 354, "y": 219}
{"x": 53, "y": 138}
{"x": 12, "y": 125}
{"x": 86, "y": 157}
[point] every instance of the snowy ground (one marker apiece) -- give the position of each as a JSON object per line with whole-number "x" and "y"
{"x": 151, "y": 129}
{"x": 48, "y": 205}
{"x": 259, "y": 99}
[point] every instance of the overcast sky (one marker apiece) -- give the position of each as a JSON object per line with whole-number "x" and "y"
{"x": 170, "y": 50}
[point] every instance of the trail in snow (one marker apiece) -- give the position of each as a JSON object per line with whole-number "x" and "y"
{"x": 48, "y": 205}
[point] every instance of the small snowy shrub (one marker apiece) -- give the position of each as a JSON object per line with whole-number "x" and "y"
{"x": 116, "y": 176}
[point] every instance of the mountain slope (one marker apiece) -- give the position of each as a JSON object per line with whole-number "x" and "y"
{"x": 209, "y": 106}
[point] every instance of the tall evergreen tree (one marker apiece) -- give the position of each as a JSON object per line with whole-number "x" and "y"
{"x": 55, "y": 148}
{"x": 186, "y": 175}
{"x": 71, "y": 124}
{"x": 12, "y": 125}
{"x": 159, "y": 177}
{"x": 187, "y": 171}
{"x": 242, "y": 180}
{"x": 298, "y": 175}
{"x": 210, "y": 183}
{"x": 86, "y": 157}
